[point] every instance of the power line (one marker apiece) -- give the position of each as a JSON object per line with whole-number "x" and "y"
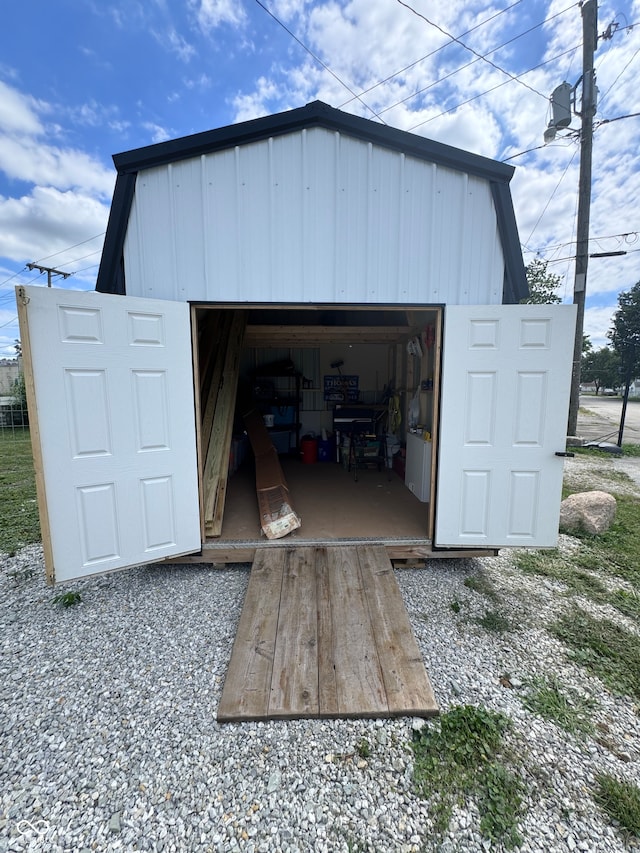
{"x": 478, "y": 58}
{"x": 431, "y": 53}
{"x": 544, "y": 210}
{"x": 622, "y": 236}
{"x": 470, "y": 49}
{"x": 318, "y": 60}
{"x": 75, "y": 246}
{"x": 82, "y": 258}
{"x": 15, "y": 275}
{"x": 487, "y": 92}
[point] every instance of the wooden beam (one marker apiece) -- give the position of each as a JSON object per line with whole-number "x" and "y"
{"x": 313, "y": 336}
{"x": 216, "y": 466}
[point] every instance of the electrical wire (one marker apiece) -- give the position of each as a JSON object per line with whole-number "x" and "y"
{"x": 318, "y": 60}
{"x": 555, "y": 246}
{"x": 471, "y": 50}
{"x": 15, "y": 275}
{"x": 68, "y": 249}
{"x": 431, "y": 53}
{"x": 477, "y": 59}
{"x": 75, "y": 260}
{"x": 544, "y": 210}
{"x": 486, "y": 92}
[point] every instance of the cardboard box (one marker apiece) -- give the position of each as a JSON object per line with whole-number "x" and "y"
{"x": 277, "y": 517}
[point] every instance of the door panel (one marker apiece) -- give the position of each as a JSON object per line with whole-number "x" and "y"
{"x": 113, "y": 394}
{"x": 506, "y": 374}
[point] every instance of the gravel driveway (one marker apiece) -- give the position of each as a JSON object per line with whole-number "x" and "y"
{"x": 109, "y": 738}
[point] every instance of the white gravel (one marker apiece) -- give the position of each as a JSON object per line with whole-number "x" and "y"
{"x": 109, "y": 739}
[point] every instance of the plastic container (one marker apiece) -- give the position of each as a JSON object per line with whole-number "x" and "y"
{"x": 309, "y": 451}
{"x": 326, "y": 450}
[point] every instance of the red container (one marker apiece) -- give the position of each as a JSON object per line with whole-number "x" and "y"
{"x": 309, "y": 450}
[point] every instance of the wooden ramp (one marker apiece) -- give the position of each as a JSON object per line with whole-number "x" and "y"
{"x": 324, "y": 633}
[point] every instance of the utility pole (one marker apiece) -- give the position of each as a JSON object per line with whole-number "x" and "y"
{"x": 589, "y": 44}
{"x": 49, "y": 271}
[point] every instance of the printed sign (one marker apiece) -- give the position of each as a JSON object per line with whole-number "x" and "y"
{"x": 341, "y": 389}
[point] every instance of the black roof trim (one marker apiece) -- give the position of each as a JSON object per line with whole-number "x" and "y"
{"x": 315, "y": 114}
{"x": 515, "y": 279}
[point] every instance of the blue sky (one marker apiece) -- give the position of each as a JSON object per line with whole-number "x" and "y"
{"x": 81, "y": 80}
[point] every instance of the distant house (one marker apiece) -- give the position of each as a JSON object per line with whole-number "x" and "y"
{"x": 10, "y": 370}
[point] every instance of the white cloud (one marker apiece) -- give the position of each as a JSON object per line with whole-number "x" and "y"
{"x": 48, "y": 220}
{"x": 212, "y": 13}
{"x": 33, "y": 161}
{"x": 158, "y": 133}
{"x": 27, "y": 155}
{"x": 176, "y": 43}
{"x": 256, "y": 103}
{"x": 18, "y": 112}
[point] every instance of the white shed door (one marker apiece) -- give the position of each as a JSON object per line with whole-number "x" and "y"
{"x": 506, "y": 376}
{"x": 115, "y": 420}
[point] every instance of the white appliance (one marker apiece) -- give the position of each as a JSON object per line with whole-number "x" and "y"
{"x": 417, "y": 475}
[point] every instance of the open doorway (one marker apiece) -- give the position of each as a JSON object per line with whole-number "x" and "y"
{"x": 349, "y": 397}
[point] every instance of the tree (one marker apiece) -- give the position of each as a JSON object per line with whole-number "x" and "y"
{"x": 602, "y": 367}
{"x": 17, "y": 345}
{"x": 542, "y": 284}
{"x": 625, "y": 333}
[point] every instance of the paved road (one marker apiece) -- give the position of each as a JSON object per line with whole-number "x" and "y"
{"x": 599, "y": 419}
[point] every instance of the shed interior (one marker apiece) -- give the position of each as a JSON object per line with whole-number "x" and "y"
{"x": 343, "y": 391}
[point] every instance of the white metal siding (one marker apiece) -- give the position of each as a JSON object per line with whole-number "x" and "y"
{"x": 313, "y": 216}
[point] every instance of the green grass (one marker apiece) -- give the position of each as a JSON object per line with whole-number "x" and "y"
{"x": 494, "y": 622}
{"x": 462, "y": 756}
{"x": 627, "y": 450}
{"x": 19, "y": 523}
{"x": 480, "y": 583}
{"x": 620, "y": 801}
{"x": 566, "y": 708}
{"x": 604, "y": 648}
{"x": 67, "y": 599}
{"x": 614, "y": 554}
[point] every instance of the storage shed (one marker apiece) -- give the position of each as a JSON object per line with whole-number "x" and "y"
{"x": 354, "y": 286}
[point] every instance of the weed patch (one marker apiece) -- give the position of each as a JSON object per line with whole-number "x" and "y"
{"x": 494, "y": 622}
{"x": 363, "y": 748}
{"x": 68, "y": 599}
{"x": 620, "y": 801}
{"x": 579, "y": 573}
{"x": 480, "y": 583}
{"x": 627, "y": 602}
{"x": 604, "y": 648}
{"x": 567, "y": 708}
{"x": 464, "y": 757}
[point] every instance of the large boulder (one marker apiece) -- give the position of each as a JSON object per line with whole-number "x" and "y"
{"x": 592, "y": 512}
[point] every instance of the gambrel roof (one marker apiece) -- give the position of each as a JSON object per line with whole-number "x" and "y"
{"x": 314, "y": 115}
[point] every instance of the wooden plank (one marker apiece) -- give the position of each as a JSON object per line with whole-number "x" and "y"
{"x": 247, "y": 687}
{"x": 406, "y": 684}
{"x": 294, "y": 684}
{"x": 327, "y": 684}
{"x": 324, "y": 632}
{"x": 216, "y": 466}
{"x": 359, "y": 683}
{"x": 214, "y": 376}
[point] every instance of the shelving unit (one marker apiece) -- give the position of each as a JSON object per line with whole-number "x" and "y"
{"x": 270, "y": 397}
